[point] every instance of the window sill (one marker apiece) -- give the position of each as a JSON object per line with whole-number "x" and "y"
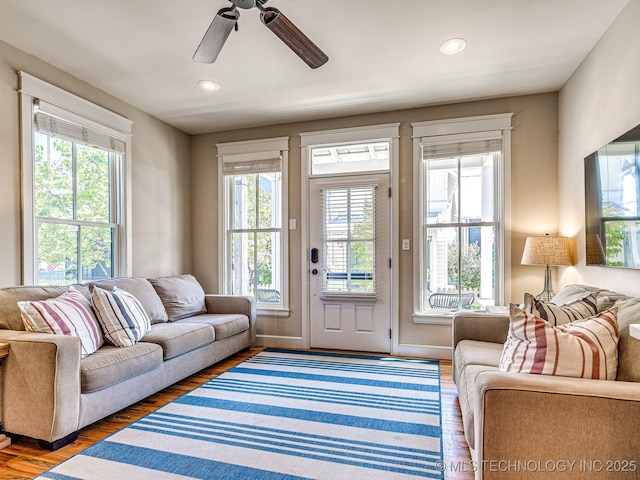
{"x": 440, "y": 318}
{"x": 445, "y": 317}
{"x": 273, "y": 312}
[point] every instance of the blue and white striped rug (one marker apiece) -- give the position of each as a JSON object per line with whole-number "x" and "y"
{"x": 284, "y": 415}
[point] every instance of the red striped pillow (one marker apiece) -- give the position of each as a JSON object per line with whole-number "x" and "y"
{"x": 69, "y": 314}
{"x": 585, "y": 348}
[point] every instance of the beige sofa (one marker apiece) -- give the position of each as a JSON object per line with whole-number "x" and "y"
{"x": 49, "y": 392}
{"x": 526, "y": 426}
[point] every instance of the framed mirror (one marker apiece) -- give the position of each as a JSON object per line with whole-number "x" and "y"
{"x": 612, "y": 203}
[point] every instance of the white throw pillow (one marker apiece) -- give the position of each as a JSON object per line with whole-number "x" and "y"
{"x": 585, "y": 348}
{"x": 69, "y": 314}
{"x": 121, "y": 316}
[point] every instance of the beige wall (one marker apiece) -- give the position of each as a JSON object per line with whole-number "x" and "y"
{"x": 598, "y": 103}
{"x": 533, "y": 206}
{"x": 175, "y": 214}
{"x": 161, "y": 175}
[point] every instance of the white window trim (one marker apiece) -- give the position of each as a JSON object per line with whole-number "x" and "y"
{"x": 246, "y": 151}
{"x": 371, "y": 133}
{"x": 97, "y": 117}
{"x": 453, "y": 130}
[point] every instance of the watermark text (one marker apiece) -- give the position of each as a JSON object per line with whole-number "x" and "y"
{"x": 541, "y": 466}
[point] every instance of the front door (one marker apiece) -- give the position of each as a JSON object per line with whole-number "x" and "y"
{"x": 349, "y": 263}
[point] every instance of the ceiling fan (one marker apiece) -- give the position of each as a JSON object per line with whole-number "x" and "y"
{"x": 227, "y": 19}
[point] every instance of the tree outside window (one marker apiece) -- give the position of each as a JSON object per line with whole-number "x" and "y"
{"x": 73, "y": 191}
{"x": 255, "y": 236}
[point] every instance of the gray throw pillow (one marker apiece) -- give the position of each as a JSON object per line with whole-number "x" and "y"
{"x": 142, "y": 290}
{"x": 181, "y": 295}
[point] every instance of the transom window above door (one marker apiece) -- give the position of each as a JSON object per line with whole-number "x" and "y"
{"x": 351, "y": 158}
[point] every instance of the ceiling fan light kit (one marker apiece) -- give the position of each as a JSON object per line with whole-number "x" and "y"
{"x": 227, "y": 18}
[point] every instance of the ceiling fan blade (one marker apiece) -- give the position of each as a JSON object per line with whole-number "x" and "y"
{"x": 216, "y": 35}
{"x": 297, "y": 41}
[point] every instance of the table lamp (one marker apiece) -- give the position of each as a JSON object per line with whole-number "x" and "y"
{"x": 549, "y": 251}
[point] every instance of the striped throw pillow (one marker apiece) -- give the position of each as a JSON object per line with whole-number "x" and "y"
{"x": 560, "y": 314}
{"x": 121, "y": 316}
{"x": 69, "y": 314}
{"x": 586, "y": 348}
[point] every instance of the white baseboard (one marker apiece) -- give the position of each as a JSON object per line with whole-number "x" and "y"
{"x": 276, "y": 341}
{"x": 425, "y": 351}
{"x": 404, "y": 350}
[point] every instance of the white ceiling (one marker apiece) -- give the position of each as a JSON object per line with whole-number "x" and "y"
{"x": 383, "y": 54}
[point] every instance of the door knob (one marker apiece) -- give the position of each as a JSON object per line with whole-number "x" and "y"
{"x": 314, "y": 271}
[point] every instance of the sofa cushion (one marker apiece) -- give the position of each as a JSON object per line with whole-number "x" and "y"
{"x": 122, "y": 318}
{"x": 474, "y": 352}
{"x": 585, "y": 348}
{"x": 181, "y": 295}
{"x": 177, "y": 338}
{"x": 142, "y": 289}
{"x": 576, "y": 309}
{"x": 467, "y": 397}
{"x": 224, "y": 324}
{"x": 629, "y": 347}
{"x": 110, "y": 365}
{"x": 69, "y": 314}
{"x": 570, "y": 293}
{"x": 605, "y": 298}
{"x": 10, "y": 315}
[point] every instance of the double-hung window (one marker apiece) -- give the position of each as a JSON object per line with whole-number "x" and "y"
{"x": 460, "y": 171}
{"x": 74, "y": 187}
{"x": 254, "y": 233}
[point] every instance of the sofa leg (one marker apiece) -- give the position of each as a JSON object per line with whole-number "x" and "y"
{"x": 61, "y": 442}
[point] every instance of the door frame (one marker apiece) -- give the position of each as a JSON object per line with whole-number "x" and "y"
{"x": 390, "y": 132}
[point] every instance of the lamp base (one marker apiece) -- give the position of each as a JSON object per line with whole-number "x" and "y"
{"x": 547, "y": 292}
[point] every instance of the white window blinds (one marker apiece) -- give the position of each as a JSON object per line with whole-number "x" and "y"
{"x": 248, "y": 167}
{"x": 475, "y": 147}
{"x": 349, "y": 241}
{"x": 51, "y": 120}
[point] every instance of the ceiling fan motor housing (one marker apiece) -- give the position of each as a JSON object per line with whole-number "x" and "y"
{"x": 244, "y": 3}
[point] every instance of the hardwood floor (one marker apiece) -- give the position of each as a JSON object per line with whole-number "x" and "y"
{"x": 25, "y": 459}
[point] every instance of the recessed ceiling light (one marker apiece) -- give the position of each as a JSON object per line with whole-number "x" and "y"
{"x": 208, "y": 85}
{"x": 453, "y": 45}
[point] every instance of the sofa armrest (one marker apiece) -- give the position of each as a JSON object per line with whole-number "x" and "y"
{"x": 245, "y": 305}
{"x": 588, "y": 428}
{"x": 40, "y": 385}
{"x": 484, "y": 327}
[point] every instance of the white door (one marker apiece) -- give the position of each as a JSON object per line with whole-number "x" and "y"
{"x": 349, "y": 263}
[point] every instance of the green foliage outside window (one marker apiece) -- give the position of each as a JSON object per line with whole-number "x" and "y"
{"x": 72, "y": 205}
{"x": 254, "y": 210}
{"x": 470, "y": 262}
{"x": 614, "y": 237}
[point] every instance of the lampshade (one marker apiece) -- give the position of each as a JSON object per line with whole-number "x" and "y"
{"x": 595, "y": 251}
{"x": 547, "y": 250}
